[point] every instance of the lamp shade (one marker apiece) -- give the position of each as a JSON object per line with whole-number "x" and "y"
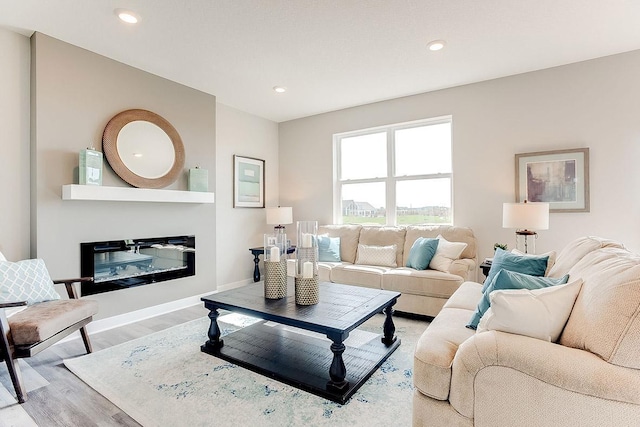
{"x": 530, "y": 216}
{"x": 278, "y": 216}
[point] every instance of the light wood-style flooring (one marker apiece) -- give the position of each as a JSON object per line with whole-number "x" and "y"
{"x": 56, "y": 397}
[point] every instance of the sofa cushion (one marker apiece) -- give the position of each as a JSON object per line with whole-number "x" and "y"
{"x": 385, "y": 236}
{"x": 421, "y": 253}
{"x": 539, "y": 313}
{"x": 451, "y": 233}
{"x": 429, "y": 283}
{"x": 606, "y": 316}
{"x": 550, "y": 262}
{"x": 446, "y": 253}
{"x": 328, "y": 248}
{"x": 506, "y": 279}
{"x": 349, "y": 236}
{"x": 576, "y": 250}
{"x": 369, "y": 276}
{"x": 467, "y": 297}
{"x": 26, "y": 280}
{"x": 436, "y": 349}
{"x": 43, "y": 320}
{"x": 525, "y": 264}
{"x": 384, "y": 256}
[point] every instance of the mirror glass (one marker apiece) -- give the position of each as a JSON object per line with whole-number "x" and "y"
{"x": 145, "y": 149}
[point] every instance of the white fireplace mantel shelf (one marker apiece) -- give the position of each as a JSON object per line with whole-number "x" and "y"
{"x": 130, "y": 194}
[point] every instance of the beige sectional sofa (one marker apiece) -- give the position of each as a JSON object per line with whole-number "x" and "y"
{"x": 424, "y": 292}
{"x": 590, "y": 377}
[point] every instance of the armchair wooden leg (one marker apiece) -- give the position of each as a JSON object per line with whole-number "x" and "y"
{"x": 16, "y": 378}
{"x": 85, "y": 339}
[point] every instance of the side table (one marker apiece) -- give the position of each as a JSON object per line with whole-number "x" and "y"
{"x": 256, "y": 252}
{"x": 485, "y": 267}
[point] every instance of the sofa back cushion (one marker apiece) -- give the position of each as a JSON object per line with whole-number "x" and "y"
{"x": 349, "y": 236}
{"x": 385, "y": 236}
{"x": 606, "y": 316}
{"x": 575, "y": 251}
{"x": 452, "y": 234}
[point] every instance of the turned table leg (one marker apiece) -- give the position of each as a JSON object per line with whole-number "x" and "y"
{"x": 214, "y": 343}
{"x": 389, "y": 328}
{"x": 337, "y": 371}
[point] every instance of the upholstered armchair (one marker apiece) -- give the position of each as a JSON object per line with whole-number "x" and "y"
{"x": 33, "y": 317}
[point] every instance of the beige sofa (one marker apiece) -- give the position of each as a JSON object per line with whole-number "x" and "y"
{"x": 424, "y": 292}
{"x": 591, "y": 377}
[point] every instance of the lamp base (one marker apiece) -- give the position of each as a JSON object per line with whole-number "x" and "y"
{"x": 279, "y": 229}
{"x": 526, "y": 241}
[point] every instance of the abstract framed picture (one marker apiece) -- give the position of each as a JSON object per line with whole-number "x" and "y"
{"x": 560, "y": 178}
{"x": 248, "y": 182}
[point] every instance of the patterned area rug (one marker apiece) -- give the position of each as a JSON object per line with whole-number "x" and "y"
{"x": 164, "y": 379}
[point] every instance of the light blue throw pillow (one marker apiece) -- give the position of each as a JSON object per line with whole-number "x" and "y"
{"x": 525, "y": 264}
{"x": 26, "y": 280}
{"x": 422, "y": 250}
{"x": 506, "y": 279}
{"x": 329, "y": 249}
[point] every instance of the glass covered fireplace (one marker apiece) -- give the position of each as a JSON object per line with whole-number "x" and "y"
{"x": 120, "y": 264}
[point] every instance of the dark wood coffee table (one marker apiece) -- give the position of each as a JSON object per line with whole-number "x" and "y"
{"x": 332, "y": 369}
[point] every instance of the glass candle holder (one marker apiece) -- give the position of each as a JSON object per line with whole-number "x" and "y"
{"x": 306, "y": 280}
{"x": 275, "y": 266}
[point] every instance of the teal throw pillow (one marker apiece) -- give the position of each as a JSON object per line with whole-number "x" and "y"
{"x": 421, "y": 252}
{"x": 506, "y": 279}
{"x": 26, "y": 280}
{"x": 329, "y": 249}
{"x": 525, "y": 264}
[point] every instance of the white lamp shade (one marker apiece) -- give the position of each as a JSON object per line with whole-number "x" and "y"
{"x": 278, "y": 216}
{"x": 528, "y": 216}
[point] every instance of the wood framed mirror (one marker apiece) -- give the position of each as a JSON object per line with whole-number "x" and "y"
{"x": 143, "y": 148}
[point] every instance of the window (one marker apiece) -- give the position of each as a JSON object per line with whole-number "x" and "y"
{"x": 395, "y": 175}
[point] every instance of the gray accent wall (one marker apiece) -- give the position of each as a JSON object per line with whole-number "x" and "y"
{"x": 75, "y": 93}
{"x": 593, "y": 104}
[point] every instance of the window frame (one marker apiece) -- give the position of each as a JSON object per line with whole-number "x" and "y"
{"x": 390, "y": 179}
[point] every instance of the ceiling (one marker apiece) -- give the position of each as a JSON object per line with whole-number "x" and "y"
{"x": 333, "y": 54}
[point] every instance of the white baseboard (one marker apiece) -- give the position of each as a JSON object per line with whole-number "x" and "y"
{"x": 148, "y": 312}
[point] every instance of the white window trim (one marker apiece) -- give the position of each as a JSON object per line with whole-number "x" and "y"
{"x": 390, "y": 179}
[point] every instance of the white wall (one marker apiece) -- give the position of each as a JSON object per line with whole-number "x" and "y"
{"x": 14, "y": 145}
{"x": 593, "y": 104}
{"x": 239, "y": 229}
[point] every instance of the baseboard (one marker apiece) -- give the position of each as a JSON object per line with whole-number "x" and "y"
{"x": 148, "y": 312}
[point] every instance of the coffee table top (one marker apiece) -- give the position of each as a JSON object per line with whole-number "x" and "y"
{"x": 341, "y": 309}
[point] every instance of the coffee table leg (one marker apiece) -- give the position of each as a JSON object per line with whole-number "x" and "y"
{"x": 337, "y": 371}
{"x": 214, "y": 342}
{"x": 389, "y": 328}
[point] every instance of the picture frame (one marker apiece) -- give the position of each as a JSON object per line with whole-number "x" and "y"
{"x": 248, "y": 182}
{"x": 560, "y": 178}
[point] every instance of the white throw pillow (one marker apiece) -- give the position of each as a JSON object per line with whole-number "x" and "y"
{"x": 2, "y": 258}
{"x": 541, "y": 313}
{"x": 550, "y": 262}
{"x": 384, "y": 256}
{"x": 446, "y": 253}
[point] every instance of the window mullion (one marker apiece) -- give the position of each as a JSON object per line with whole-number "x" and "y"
{"x": 390, "y": 182}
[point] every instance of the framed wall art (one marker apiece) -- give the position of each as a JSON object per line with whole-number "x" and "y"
{"x": 560, "y": 178}
{"x": 248, "y": 182}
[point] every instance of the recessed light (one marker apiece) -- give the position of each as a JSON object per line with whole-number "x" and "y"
{"x": 436, "y": 45}
{"x": 280, "y": 89}
{"x": 127, "y": 16}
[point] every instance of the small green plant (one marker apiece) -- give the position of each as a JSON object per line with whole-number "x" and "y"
{"x": 502, "y": 246}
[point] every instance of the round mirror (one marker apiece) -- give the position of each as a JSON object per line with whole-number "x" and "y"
{"x": 143, "y": 149}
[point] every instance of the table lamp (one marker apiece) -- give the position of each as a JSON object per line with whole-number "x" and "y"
{"x": 526, "y": 217}
{"x": 278, "y": 216}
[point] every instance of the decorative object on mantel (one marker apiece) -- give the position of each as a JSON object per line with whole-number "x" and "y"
{"x": 560, "y": 178}
{"x": 198, "y": 179}
{"x": 526, "y": 217}
{"x": 307, "y": 291}
{"x": 90, "y": 167}
{"x": 143, "y": 148}
{"x": 248, "y": 182}
{"x": 275, "y": 266}
{"x": 279, "y": 216}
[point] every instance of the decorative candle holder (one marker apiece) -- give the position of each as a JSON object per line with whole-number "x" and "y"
{"x": 275, "y": 266}
{"x": 306, "y": 281}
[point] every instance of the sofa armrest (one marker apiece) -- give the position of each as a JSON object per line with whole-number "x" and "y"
{"x": 566, "y": 368}
{"x": 463, "y": 268}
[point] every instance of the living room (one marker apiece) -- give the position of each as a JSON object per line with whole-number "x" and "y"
{"x": 57, "y": 98}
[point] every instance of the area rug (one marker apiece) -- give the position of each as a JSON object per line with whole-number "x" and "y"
{"x": 163, "y": 379}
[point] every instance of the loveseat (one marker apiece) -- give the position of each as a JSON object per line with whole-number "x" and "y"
{"x": 589, "y": 377}
{"x": 423, "y": 292}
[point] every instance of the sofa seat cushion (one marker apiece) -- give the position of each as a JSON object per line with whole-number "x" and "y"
{"x": 324, "y": 270}
{"x": 436, "y": 350}
{"x": 43, "y": 320}
{"x": 369, "y": 276}
{"x": 431, "y": 283}
{"x": 466, "y": 297}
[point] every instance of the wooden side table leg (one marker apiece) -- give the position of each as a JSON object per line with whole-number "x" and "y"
{"x": 214, "y": 343}
{"x": 256, "y": 269}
